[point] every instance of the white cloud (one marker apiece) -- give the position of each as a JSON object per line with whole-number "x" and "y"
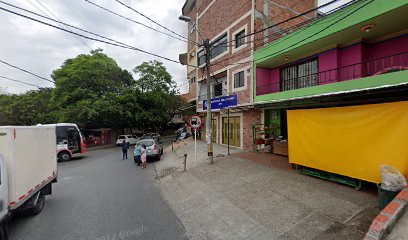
{"x": 42, "y": 49}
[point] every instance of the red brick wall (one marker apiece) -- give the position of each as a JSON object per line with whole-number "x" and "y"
{"x": 191, "y": 36}
{"x": 250, "y": 117}
{"x": 191, "y": 92}
{"x": 219, "y": 17}
{"x": 270, "y": 12}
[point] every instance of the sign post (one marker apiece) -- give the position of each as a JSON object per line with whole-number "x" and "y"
{"x": 196, "y": 122}
{"x": 195, "y": 146}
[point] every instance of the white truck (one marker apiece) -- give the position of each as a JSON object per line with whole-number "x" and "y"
{"x": 28, "y": 167}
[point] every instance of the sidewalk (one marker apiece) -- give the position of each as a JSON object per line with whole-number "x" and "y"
{"x": 239, "y": 199}
{"x": 400, "y": 231}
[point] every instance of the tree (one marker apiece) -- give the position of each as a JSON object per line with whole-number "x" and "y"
{"x": 87, "y": 89}
{"x": 153, "y": 76}
{"x": 158, "y": 98}
{"x": 30, "y": 108}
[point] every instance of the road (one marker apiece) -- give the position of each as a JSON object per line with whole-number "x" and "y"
{"x": 102, "y": 197}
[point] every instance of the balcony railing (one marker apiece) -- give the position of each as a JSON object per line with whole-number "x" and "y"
{"x": 378, "y": 66}
{"x": 203, "y": 96}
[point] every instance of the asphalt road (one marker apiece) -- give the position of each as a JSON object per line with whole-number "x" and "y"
{"x": 102, "y": 197}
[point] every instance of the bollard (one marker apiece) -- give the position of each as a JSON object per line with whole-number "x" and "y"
{"x": 172, "y": 149}
{"x": 185, "y": 162}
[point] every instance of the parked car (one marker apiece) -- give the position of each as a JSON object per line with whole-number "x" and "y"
{"x": 153, "y": 147}
{"x": 129, "y": 139}
{"x": 151, "y": 135}
{"x": 182, "y": 135}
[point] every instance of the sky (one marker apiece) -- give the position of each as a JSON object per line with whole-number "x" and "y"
{"x": 42, "y": 49}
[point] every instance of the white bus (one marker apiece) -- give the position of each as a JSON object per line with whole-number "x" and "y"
{"x": 70, "y": 141}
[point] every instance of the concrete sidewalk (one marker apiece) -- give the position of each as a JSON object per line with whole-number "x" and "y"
{"x": 400, "y": 231}
{"x": 240, "y": 199}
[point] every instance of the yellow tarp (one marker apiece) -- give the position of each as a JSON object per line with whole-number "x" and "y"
{"x": 351, "y": 141}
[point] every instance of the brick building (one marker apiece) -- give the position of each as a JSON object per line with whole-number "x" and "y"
{"x": 227, "y": 23}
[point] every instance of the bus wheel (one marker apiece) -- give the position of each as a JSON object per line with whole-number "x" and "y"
{"x": 64, "y": 156}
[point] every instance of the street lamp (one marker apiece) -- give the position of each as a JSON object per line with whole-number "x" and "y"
{"x": 208, "y": 129}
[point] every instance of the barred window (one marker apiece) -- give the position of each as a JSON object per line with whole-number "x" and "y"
{"x": 299, "y": 76}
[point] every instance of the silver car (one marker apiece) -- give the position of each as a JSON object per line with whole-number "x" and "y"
{"x": 153, "y": 148}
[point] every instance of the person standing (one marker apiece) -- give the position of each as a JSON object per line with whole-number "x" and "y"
{"x": 143, "y": 155}
{"x": 125, "y": 146}
{"x": 136, "y": 154}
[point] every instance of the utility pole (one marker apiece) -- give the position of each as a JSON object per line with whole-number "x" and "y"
{"x": 208, "y": 124}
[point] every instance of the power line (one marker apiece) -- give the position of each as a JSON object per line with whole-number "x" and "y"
{"x": 320, "y": 31}
{"x": 347, "y": 15}
{"x": 26, "y": 71}
{"x": 289, "y": 19}
{"x": 134, "y": 21}
{"x": 277, "y": 35}
{"x": 42, "y": 5}
{"x": 141, "y": 14}
{"x": 119, "y": 44}
{"x": 15, "y": 80}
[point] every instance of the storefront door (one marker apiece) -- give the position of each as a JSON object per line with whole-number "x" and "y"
{"x": 234, "y": 131}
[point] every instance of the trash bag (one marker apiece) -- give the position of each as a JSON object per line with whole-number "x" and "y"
{"x": 392, "y": 179}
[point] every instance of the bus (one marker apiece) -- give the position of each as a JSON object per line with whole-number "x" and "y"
{"x": 70, "y": 141}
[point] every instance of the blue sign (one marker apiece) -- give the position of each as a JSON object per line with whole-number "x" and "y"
{"x": 222, "y": 102}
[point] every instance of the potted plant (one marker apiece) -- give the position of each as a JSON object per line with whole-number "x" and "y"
{"x": 259, "y": 141}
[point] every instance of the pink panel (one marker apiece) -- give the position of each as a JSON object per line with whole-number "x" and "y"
{"x": 328, "y": 62}
{"x": 387, "y": 48}
{"x": 350, "y": 62}
{"x": 386, "y": 55}
{"x": 267, "y": 81}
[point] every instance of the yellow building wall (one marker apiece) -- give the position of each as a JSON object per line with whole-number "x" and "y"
{"x": 352, "y": 141}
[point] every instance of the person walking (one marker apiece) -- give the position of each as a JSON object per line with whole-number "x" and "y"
{"x": 136, "y": 154}
{"x": 143, "y": 155}
{"x": 125, "y": 146}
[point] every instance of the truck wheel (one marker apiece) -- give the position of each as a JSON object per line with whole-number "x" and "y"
{"x": 64, "y": 156}
{"x": 3, "y": 232}
{"x": 35, "y": 210}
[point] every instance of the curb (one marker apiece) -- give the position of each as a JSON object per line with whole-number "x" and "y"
{"x": 388, "y": 217}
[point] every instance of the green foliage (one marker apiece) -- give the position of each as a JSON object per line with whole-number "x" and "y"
{"x": 153, "y": 76}
{"x": 30, "y": 108}
{"x": 92, "y": 91}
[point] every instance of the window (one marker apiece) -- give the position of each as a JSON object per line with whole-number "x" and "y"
{"x": 299, "y": 76}
{"x": 239, "y": 79}
{"x": 240, "y": 39}
{"x": 193, "y": 80}
{"x": 201, "y": 57}
{"x": 147, "y": 143}
{"x": 219, "y": 46}
{"x": 217, "y": 90}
